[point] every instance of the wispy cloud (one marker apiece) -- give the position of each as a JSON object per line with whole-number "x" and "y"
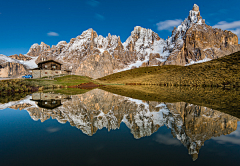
{"x": 168, "y": 24}
{"x": 226, "y": 139}
{"x": 52, "y": 129}
{"x": 231, "y": 26}
{"x": 99, "y": 17}
{"x": 167, "y": 139}
{"x": 52, "y": 34}
{"x": 92, "y": 3}
{"x": 237, "y": 32}
{"x": 227, "y": 25}
{"x": 232, "y": 138}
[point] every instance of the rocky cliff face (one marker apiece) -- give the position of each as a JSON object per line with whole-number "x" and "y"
{"x": 15, "y": 65}
{"x": 20, "y": 57}
{"x": 96, "y": 56}
{"x": 194, "y": 41}
{"x": 13, "y": 69}
{"x": 192, "y": 125}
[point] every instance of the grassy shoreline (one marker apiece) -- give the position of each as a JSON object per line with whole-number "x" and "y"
{"x": 25, "y": 85}
{"x": 225, "y": 100}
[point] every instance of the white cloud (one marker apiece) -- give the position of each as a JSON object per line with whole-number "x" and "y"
{"x": 227, "y": 25}
{"x": 168, "y": 24}
{"x": 167, "y": 139}
{"x": 226, "y": 139}
{"x": 233, "y": 138}
{"x": 231, "y": 26}
{"x": 52, "y": 34}
{"x": 52, "y": 129}
{"x": 92, "y": 3}
{"x": 99, "y": 17}
{"x": 236, "y": 31}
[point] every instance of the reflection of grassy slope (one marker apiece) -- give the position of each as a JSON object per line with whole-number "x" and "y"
{"x": 216, "y": 98}
{"x": 69, "y": 91}
{"x": 225, "y": 70}
{"x": 62, "y": 81}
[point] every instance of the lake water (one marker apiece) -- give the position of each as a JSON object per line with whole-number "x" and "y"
{"x": 102, "y": 128}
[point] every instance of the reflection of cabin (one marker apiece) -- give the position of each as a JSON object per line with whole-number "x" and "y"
{"x": 49, "y": 68}
{"x": 49, "y": 100}
{"x": 49, "y": 104}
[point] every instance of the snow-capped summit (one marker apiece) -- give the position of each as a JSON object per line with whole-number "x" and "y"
{"x": 141, "y": 40}
{"x": 178, "y": 33}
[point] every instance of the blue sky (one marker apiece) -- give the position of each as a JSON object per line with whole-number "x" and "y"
{"x": 25, "y": 22}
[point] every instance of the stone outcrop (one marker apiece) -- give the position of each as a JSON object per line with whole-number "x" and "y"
{"x": 20, "y": 57}
{"x": 11, "y": 69}
{"x": 15, "y": 66}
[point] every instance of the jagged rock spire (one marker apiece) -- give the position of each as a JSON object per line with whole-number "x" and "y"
{"x": 195, "y": 8}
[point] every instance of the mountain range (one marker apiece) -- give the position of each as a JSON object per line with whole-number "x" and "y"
{"x": 93, "y": 55}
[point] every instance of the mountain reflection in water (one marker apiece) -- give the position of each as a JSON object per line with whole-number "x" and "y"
{"x": 192, "y": 125}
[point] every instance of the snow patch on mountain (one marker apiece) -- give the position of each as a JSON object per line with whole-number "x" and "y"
{"x": 29, "y": 64}
{"x": 199, "y": 61}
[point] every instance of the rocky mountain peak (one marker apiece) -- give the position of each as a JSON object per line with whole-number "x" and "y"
{"x": 36, "y": 49}
{"x": 194, "y": 41}
{"x": 195, "y": 8}
{"x": 140, "y": 38}
{"x": 194, "y": 15}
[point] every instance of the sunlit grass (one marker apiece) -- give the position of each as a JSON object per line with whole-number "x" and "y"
{"x": 224, "y": 71}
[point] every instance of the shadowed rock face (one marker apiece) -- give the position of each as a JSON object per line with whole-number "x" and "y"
{"x": 192, "y": 125}
{"x": 13, "y": 65}
{"x": 95, "y": 56}
{"x": 11, "y": 69}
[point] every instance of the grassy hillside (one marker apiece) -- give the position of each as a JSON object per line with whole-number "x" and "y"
{"x": 224, "y": 100}
{"x": 218, "y": 72}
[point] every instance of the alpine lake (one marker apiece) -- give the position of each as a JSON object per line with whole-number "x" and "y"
{"x": 121, "y": 125}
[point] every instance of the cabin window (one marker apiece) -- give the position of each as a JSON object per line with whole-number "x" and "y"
{"x": 54, "y": 67}
{"x": 45, "y": 66}
{"x": 45, "y": 102}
